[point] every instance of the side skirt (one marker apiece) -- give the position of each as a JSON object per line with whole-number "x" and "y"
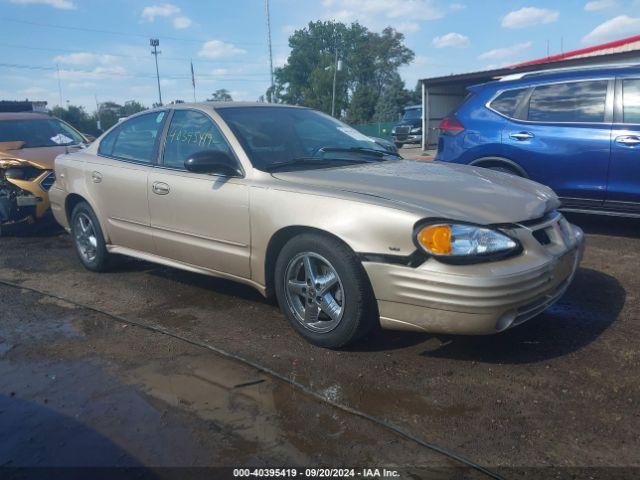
{"x": 150, "y": 257}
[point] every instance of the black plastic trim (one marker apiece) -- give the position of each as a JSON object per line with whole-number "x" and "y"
{"x": 414, "y": 260}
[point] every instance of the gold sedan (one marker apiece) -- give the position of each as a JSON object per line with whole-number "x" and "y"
{"x": 346, "y": 234}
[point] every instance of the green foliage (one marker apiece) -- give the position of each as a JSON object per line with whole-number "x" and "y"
{"x": 370, "y": 62}
{"x": 392, "y": 100}
{"x": 220, "y": 95}
{"x": 77, "y": 117}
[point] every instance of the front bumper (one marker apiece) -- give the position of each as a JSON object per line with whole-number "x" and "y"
{"x": 410, "y": 138}
{"x": 477, "y": 299}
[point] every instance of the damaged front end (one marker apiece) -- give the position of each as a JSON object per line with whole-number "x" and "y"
{"x": 24, "y": 188}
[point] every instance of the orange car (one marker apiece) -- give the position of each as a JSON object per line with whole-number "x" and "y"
{"x": 29, "y": 143}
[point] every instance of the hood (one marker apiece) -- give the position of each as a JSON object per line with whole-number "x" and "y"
{"x": 42, "y": 157}
{"x": 456, "y": 192}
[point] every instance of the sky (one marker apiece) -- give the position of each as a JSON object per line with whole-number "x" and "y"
{"x": 86, "y": 51}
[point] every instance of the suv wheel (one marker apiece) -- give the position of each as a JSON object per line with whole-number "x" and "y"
{"x": 324, "y": 292}
{"x": 88, "y": 239}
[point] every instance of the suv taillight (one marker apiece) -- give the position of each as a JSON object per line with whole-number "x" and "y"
{"x": 450, "y": 126}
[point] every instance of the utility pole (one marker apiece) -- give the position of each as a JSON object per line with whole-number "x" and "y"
{"x": 335, "y": 74}
{"x": 59, "y": 85}
{"x": 266, "y": 8}
{"x": 154, "y": 42}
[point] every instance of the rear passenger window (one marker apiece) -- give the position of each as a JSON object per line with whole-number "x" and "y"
{"x": 507, "y": 102}
{"x": 135, "y": 139}
{"x": 631, "y": 101}
{"x": 569, "y": 102}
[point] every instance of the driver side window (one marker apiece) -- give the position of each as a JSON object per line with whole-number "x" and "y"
{"x": 191, "y": 132}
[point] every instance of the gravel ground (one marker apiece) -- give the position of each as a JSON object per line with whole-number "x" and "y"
{"x": 561, "y": 390}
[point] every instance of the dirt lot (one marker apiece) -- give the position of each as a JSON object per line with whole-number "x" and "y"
{"x": 83, "y": 382}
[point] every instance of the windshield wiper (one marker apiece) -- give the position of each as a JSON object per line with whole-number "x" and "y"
{"x": 372, "y": 151}
{"x": 312, "y": 161}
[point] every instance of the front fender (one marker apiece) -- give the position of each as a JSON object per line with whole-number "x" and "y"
{"x": 364, "y": 227}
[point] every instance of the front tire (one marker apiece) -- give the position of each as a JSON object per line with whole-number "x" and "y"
{"x": 88, "y": 239}
{"x": 324, "y": 291}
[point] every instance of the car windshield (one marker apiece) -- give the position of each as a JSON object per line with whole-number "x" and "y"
{"x": 412, "y": 114}
{"x": 298, "y": 137}
{"x": 39, "y": 132}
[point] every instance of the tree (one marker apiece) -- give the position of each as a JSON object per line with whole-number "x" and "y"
{"x": 131, "y": 107}
{"x": 370, "y": 61}
{"x": 393, "y": 98}
{"x": 77, "y": 117}
{"x": 220, "y": 95}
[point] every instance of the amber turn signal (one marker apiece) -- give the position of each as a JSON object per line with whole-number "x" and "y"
{"x": 436, "y": 239}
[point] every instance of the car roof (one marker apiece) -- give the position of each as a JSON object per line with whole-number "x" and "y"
{"x": 23, "y": 116}
{"x": 223, "y": 105}
{"x": 556, "y": 75}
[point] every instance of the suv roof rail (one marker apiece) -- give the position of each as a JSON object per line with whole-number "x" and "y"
{"x": 518, "y": 76}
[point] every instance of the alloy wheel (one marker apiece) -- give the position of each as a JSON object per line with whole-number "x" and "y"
{"x": 314, "y": 292}
{"x": 86, "y": 239}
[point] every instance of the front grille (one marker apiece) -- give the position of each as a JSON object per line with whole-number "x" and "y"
{"x": 403, "y": 130}
{"x": 47, "y": 182}
{"x": 402, "y": 137}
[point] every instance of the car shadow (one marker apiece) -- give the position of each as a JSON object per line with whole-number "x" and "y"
{"x": 577, "y": 320}
{"x": 41, "y": 443}
{"x": 41, "y": 229}
{"x": 206, "y": 282}
{"x": 604, "y": 225}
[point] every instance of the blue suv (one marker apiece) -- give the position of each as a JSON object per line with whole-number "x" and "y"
{"x": 575, "y": 130}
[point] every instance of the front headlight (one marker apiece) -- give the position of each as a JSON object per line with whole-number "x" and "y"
{"x": 416, "y": 130}
{"x": 393, "y": 130}
{"x": 462, "y": 242}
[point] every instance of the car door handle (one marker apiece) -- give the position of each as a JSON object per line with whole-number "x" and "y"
{"x": 521, "y": 136}
{"x": 629, "y": 140}
{"x": 160, "y": 188}
{"x": 96, "y": 177}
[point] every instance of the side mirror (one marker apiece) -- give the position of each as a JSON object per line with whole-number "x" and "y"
{"x": 213, "y": 161}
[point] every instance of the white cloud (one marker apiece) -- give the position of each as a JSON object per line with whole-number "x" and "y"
{"x": 82, "y": 85}
{"x": 166, "y": 10}
{"x": 529, "y": 16}
{"x": 219, "y": 71}
{"x": 407, "y": 27}
{"x": 456, "y": 7}
{"x": 597, "y": 5}
{"x": 181, "y": 22}
{"x": 506, "y": 52}
{"x": 218, "y": 49}
{"x": 451, "y": 39}
{"x": 33, "y": 92}
{"x": 618, "y": 27}
{"x": 84, "y": 58}
{"x": 377, "y": 14}
{"x": 59, "y": 4}
{"x": 98, "y": 73}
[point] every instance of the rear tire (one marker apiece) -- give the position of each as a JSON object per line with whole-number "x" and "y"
{"x": 88, "y": 239}
{"x": 398, "y": 145}
{"x": 324, "y": 292}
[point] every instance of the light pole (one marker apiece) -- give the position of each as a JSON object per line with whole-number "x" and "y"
{"x": 337, "y": 66}
{"x": 266, "y": 8}
{"x": 154, "y": 42}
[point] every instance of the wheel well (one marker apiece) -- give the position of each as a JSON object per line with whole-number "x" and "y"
{"x": 70, "y": 203}
{"x": 277, "y": 241}
{"x": 500, "y": 162}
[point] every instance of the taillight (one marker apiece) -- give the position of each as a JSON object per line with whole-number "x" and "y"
{"x": 450, "y": 126}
